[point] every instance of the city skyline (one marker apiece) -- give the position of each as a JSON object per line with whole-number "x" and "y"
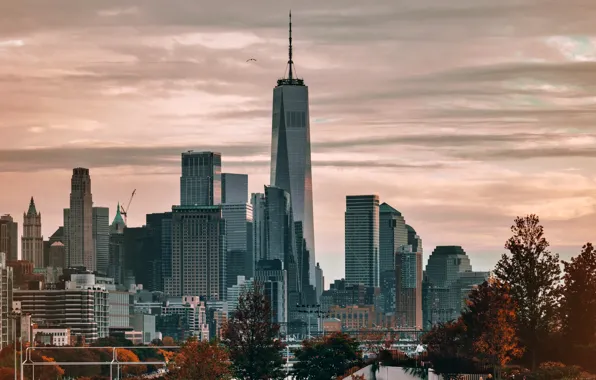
{"x": 461, "y": 169}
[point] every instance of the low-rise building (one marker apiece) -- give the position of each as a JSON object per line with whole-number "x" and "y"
{"x": 51, "y": 336}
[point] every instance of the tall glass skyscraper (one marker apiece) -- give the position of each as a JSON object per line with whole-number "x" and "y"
{"x": 200, "y": 183}
{"x": 362, "y": 240}
{"x": 290, "y": 152}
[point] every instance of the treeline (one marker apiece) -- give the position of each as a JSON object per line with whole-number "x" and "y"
{"x": 536, "y": 314}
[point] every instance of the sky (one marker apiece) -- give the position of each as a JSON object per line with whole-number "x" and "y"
{"x": 462, "y": 114}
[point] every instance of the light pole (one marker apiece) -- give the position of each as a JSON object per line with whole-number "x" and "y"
{"x": 308, "y": 309}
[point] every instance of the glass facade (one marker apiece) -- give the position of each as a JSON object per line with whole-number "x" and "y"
{"x": 200, "y": 183}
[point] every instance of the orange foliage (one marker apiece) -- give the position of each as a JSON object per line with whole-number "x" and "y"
{"x": 168, "y": 341}
{"x": 125, "y": 355}
{"x": 6, "y": 373}
{"x": 201, "y": 361}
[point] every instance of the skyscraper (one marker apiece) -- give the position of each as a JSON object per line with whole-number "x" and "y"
{"x": 116, "y": 248}
{"x": 408, "y": 284}
{"x": 200, "y": 183}
{"x": 259, "y": 227}
{"x": 9, "y": 232}
{"x": 32, "y": 240}
{"x": 290, "y": 151}
{"x": 392, "y": 235}
{"x": 239, "y": 259}
{"x": 362, "y": 239}
{"x": 78, "y": 222}
{"x": 234, "y": 188}
{"x": 198, "y": 253}
{"x": 101, "y": 238}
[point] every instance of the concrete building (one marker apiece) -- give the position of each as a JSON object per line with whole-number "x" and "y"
{"x": 116, "y": 254}
{"x": 291, "y": 168}
{"x": 101, "y": 238}
{"x": 200, "y": 183}
{"x": 78, "y": 222}
{"x": 145, "y": 323}
{"x": 198, "y": 252}
{"x": 57, "y": 255}
{"x": 9, "y": 233}
{"x": 354, "y": 317}
{"x": 7, "y": 325}
{"x": 362, "y": 240}
{"x": 58, "y": 337}
{"x": 234, "y": 188}
{"x": 239, "y": 257}
{"x": 320, "y": 281}
{"x": 158, "y": 253}
{"x": 32, "y": 239}
{"x": 184, "y": 317}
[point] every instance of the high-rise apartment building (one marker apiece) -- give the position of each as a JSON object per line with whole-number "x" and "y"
{"x": 200, "y": 183}
{"x": 291, "y": 153}
{"x": 198, "y": 253}
{"x": 101, "y": 238}
{"x": 32, "y": 240}
{"x": 362, "y": 240}
{"x": 234, "y": 188}
{"x": 239, "y": 259}
{"x": 9, "y": 233}
{"x": 392, "y": 235}
{"x": 259, "y": 227}
{"x": 78, "y": 222}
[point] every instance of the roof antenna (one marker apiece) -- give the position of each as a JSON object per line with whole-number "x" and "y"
{"x": 290, "y": 62}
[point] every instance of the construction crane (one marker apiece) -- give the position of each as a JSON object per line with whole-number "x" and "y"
{"x": 124, "y": 211}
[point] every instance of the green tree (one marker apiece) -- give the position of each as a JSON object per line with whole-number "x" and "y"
{"x": 327, "y": 357}
{"x": 490, "y": 320}
{"x": 201, "y": 361}
{"x": 532, "y": 272}
{"x": 252, "y": 340}
{"x": 578, "y": 302}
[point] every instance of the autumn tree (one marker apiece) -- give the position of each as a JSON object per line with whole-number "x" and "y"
{"x": 578, "y": 301}
{"x": 127, "y": 356}
{"x": 532, "y": 272}
{"x": 490, "y": 320}
{"x": 199, "y": 360}
{"x": 252, "y": 339}
{"x": 327, "y": 357}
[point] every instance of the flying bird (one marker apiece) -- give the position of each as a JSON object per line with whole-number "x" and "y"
{"x": 251, "y": 59}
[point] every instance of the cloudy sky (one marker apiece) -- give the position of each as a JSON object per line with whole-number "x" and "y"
{"x": 460, "y": 113}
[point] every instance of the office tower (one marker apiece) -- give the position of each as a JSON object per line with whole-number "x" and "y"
{"x": 239, "y": 257}
{"x": 78, "y": 222}
{"x": 362, "y": 239}
{"x": 6, "y": 297}
{"x": 259, "y": 227}
{"x": 234, "y": 188}
{"x": 408, "y": 288}
{"x": 57, "y": 236}
{"x": 241, "y": 286}
{"x": 320, "y": 281}
{"x": 159, "y": 252}
{"x": 273, "y": 279}
{"x": 32, "y": 240}
{"x": 9, "y": 232}
{"x": 445, "y": 265}
{"x": 116, "y": 248}
{"x": 200, "y": 183}
{"x": 101, "y": 238}
{"x": 198, "y": 253}
{"x": 392, "y": 235}
{"x": 290, "y": 152}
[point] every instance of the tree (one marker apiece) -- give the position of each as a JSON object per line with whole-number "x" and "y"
{"x": 255, "y": 349}
{"x": 127, "y": 356}
{"x": 168, "y": 341}
{"x": 198, "y": 360}
{"x": 327, "y": 357}
{"x": 532, "y": 272}
{"x": 578, "y": 302}
{"x": 490, "y": 320}
{"x": 449, "y": 349}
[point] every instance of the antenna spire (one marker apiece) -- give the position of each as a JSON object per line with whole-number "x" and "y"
{"x": 290, "y": 61}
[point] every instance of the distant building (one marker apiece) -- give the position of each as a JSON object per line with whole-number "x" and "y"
{"x": 239, "y": 257}
{"x": 9, "y": 233}
{"x": 78, "y": 222}
{"x": 6, "y": 302}
{"x": 57, "y": 255}
{"x": 234, "y": 292}
{"x": 392, "y": 235}
{"x": 182, "y": 318}
{"x": 362, "y": 240}
{"x": 234, "y": 188}
{"x": 101, "y": 238}
{"x": 320, "y": 281}
{"x": 408, "y": 284}
{"x": 273, "y": 278}
{"x": 32, "y": 239}
{"x": 198, "y": 252}
{"x": 200, "y": 183}
{"x": 116, "y": 257}
{"x": 354, "y": 317}
{"x": 57, "y": 236}
{"x": 145, "y": 323}
{"x": 259, "y": 228}
{"x": 53, "y": 336}
{"x": 158, "y": 253}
